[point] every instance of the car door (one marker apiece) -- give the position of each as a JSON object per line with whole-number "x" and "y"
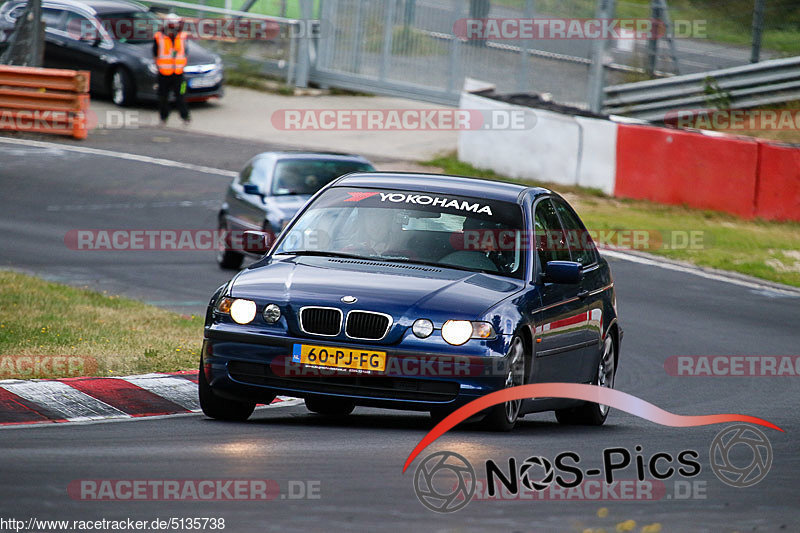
{"x": 583, "y": 250}
{"x": 55, "y": 41}
{"x": 86, "y": 47}
{"x": 561, "y": 319}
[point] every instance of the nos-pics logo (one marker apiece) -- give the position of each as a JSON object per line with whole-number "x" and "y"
{"x": 445, "y": 481}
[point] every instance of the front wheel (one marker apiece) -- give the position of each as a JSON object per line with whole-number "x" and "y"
{"x": 221, "y": 408}
{"x": 594, "y": 414}
{"x": 503, "y": 417}
{"x": 123, "y": 91}
{"x": 227, "y": 259}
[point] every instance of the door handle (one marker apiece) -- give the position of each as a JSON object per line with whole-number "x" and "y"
{"x": 583, "y": 294}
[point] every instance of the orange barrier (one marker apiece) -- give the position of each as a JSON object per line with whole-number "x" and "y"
{"x": 778, "y": 192}
{"x": 678, "y": 167}
{"x": 44, "y": 100}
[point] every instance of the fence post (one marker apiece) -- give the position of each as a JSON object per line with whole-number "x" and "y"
{"x": 523, "y": 80}
{"x": 605, "y": 10}
{"x": 358, "y": 37}
{"x": 303, "y": 59}
{"x": 758, "y": 28}
{"x": 453, "y": 68}
{"x": 388, "y": 34}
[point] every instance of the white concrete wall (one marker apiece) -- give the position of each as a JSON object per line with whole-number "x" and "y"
{"x": 559, "y": 149}
{"x": 598, "y": 154}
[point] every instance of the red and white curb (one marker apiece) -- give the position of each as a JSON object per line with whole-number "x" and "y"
{"x": 89, "y": 399}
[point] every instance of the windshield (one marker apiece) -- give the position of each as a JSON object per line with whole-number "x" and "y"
{"x": 135, "y": 27}
{"x": 401, "y": 226}
{"x": 307, "y": 176}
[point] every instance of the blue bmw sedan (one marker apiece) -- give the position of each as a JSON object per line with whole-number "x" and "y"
{"x": 417, "y": 292}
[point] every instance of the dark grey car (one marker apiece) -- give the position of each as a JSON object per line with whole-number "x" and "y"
{"x": 271, "y": 188}
{"x": 121, "y": 66}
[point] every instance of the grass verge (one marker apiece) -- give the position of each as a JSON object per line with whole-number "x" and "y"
{"x": 92, "y": 333}
{"x": 763, "y": 249}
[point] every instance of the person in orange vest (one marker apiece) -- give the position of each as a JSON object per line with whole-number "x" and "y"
{"x": 169, "y": 50}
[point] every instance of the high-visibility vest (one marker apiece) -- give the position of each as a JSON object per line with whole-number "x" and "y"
{"x": 171, "y": 57}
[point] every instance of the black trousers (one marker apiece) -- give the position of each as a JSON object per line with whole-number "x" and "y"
{"x": 167, "y": 85}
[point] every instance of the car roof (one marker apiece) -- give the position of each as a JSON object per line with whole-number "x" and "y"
{"x": 440, "y": 184}
{"x": 299, "y": 154}
{"x": 98, "y": 6}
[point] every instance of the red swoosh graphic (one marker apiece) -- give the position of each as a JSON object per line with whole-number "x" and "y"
{"x": 590, "y": 393}
{"x": 358, "y": 196}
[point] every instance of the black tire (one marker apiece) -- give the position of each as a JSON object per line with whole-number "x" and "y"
{"x": 592, "y": 414}
{"x": 221, "y": 408}
{"x": 330, "y": 406}
{"x": 503, "y": 417}
{"x": 227, "y": 259}
{"x": 122, "y": 87}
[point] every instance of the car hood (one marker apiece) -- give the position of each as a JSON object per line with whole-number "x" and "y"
{"x": 405, "y": 291}
{"x": 195, "y": 54}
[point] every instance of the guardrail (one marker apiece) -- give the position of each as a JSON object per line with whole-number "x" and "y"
{"x": 44, "y": 100}
{"x": 766, "y": 83}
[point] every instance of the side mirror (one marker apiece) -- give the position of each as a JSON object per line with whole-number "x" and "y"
{"x": 255, "y": 242}
{"x": 566, "y": 272}
{"x": 251, "y": 188}
{"x": 96, "y": 42}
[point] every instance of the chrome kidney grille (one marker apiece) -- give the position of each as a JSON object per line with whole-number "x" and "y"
{"x": 325, "y": 321}
{"x": 367, "y": 325}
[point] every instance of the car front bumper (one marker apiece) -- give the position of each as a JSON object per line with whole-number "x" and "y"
{"x": 247, "y": 366}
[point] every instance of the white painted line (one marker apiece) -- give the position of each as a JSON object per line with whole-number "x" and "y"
{"x": 177, "y": 390}
{"x": 122, "y": 155}
{"x": 697, "y": 271}
{"x": 59, "y": 397}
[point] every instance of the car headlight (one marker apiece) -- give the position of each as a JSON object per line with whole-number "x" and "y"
{"x": 457, "y": 332}
{"x": 271, "y": 314}
{"x": 422, "y": 328}
{"x": 241, "y": 311}
{"x": 150, "y": 64}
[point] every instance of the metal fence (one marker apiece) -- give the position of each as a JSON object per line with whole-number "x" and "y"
{"x": 410, "y": 48}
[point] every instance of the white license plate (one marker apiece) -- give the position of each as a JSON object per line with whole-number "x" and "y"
{"x": 202, "y": 81}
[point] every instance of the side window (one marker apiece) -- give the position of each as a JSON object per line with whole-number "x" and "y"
{"x": 259, "y": 175}
{"x": 79, "y": 27}
{"x": 54, "y": 19}
{"x": 244, "y": 175}
{"x": 551, "y": 242}
{"x": 580, "y": 243}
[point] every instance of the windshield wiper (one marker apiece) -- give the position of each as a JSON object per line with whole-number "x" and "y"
{"x": 321, "y": 253}
{"x": 437, "y": 265}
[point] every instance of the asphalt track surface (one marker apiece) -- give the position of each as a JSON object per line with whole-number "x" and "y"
{"x": 357, "y": 461}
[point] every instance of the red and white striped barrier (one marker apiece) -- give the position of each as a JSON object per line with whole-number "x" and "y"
{"x": 87, "y": 399}
{"x": 744, "y": 176}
